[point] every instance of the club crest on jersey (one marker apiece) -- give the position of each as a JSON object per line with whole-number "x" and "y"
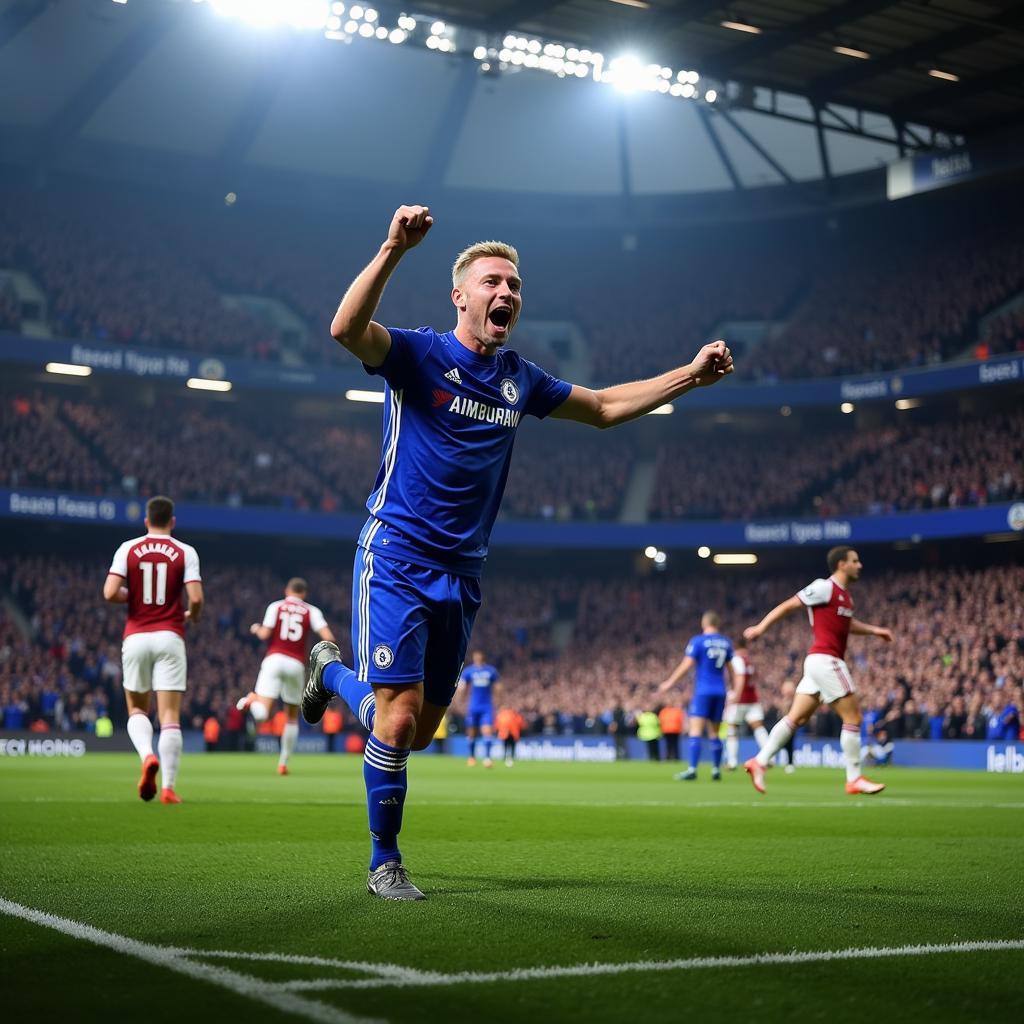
{"x": 509, "y": 391}
{"x": 383, "y": 656}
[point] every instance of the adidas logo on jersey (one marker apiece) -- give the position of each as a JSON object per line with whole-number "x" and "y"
{"x": 453, "y": 375}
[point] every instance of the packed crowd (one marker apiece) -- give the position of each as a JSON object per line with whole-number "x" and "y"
{"x": 958, "y": 655}
{"x": 154, "y": 270}
{"x": 563, "y": 471}
{"x": 1003, "y": 334}
{"x": 903, "y": 305}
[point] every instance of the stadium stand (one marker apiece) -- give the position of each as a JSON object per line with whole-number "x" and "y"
{"x": 254, "y": 457}
{"x": 153, "y": 270}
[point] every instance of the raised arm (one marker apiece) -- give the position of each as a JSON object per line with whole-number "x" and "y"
{"x": 353, "y": 324}
{"x": 624, "y": 402}
{"x": 680, "y": 671}
{"x": 779, "y": 612}
{"x": 859, "y": 628}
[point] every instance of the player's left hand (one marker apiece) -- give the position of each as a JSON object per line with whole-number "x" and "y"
{"x": 254, "y": 628}
{"x": 713, "y": 362}
{"x": 884, "y": 634}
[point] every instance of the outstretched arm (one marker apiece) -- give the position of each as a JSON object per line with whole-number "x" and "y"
{"x": 353, "y": 324}
{"x": 866, "y": 629}
{"x": 780, "y": 611}
{"x": 624, "y": 402}
{"x": 680, "y": 670}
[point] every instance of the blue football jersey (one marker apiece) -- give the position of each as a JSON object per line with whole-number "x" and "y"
{"x": 450, "y": 420}
{"x": 712, "y": 652}
{"x": 481, "y": 680}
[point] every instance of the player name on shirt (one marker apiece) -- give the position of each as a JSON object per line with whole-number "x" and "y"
{"x": 152, "y": 548}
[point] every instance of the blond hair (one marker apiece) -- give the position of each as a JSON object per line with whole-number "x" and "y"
{"x": 479, "y": 251}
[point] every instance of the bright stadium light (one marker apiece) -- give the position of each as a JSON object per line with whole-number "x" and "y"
{"x": 650, "y": 551}
{"x": 786, "y": 411}
{"x": 69, "y": 369}
{"x": 625, "y": 73}
{"x": 850, "y": 51}
{"x": 903, "y": 404}
{"x": 202, "y": 384}
{"x": 737, "y": 559}
{"x": 703, "y": 551}
{"x": 373, "y": 397}
{"x": 846, "y": 408}
{"x": 711, "y": 95}
{"x": 660, "y": 558}
{"x": 741, "y": 26}
{"x": 946, "y": 76}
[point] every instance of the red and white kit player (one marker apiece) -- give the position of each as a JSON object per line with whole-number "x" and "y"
{"x": 743, "y": 705}
{"x": 287, "y": 624}
{"x": 150, "y": 574}
{"x": 826, "y": 675}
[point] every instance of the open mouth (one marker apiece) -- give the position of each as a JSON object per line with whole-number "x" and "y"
{"x": 500, "y": 317}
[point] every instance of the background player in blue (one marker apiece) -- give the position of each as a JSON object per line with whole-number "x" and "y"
{"x": 481, "y": 680}
{"x": 453, "y": 402}
{"x": 712, "y": 655}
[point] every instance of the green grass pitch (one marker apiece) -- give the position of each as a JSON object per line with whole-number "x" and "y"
{"x": 538, "y": 867}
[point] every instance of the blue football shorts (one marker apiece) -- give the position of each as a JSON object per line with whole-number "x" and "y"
{"x": 476, "y": 718}
{"x": 705, "y": 706}
{"x": 411, "y": 624}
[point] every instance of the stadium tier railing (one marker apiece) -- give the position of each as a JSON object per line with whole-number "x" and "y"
{"x": 155, "y": 364}
{"x": 1004, "y": 518}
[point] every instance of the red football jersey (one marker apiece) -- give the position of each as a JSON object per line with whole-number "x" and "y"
{"x": 291, "y": 619}
{"x": 155, "y": 569}
{"x": 830, "y": 611}
{"x": 742, "y": 667}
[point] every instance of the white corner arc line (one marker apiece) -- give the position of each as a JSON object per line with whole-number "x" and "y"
{"x": 173, "y": 960}
{"x": 648, "y": 966}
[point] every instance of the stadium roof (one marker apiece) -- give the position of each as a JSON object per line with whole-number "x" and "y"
{"x": 980, "y": 42}
{"x": 186, "y": 85}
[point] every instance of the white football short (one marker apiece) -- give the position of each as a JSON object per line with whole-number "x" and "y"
{"x": 826, "y": 677}
{"x": 154, "y": 661}
{"x": 736, "y": 713}
{"x": 281, "y": 678}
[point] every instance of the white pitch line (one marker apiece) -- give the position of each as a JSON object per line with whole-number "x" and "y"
{"x": 647, "y": 966}
{"x": 253, "y": 988}
{"x": 404, "y": 974}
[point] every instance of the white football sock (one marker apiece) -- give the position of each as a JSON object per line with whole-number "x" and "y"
{"x": 761, "y": 735}
{"x": 732, "y": 749}
{"x": 777, "y": 739}
{"x": 140, "y": 732}
{"x": 258, "y": 710}
{"x": 288, "y": 738}
{"x": 849, "y": 740}
{"x": 170, "y": 754}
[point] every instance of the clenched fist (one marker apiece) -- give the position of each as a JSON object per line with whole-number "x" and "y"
{"x": 713, "y": 362}
{"x": 409, "y": 226}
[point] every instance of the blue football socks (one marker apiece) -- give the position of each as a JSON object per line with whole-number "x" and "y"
{"x": 716, "y": 753}
{"x": 340, "y": 679}
{"x": 693, "y": 751}
{"x": 386, "y": 778}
